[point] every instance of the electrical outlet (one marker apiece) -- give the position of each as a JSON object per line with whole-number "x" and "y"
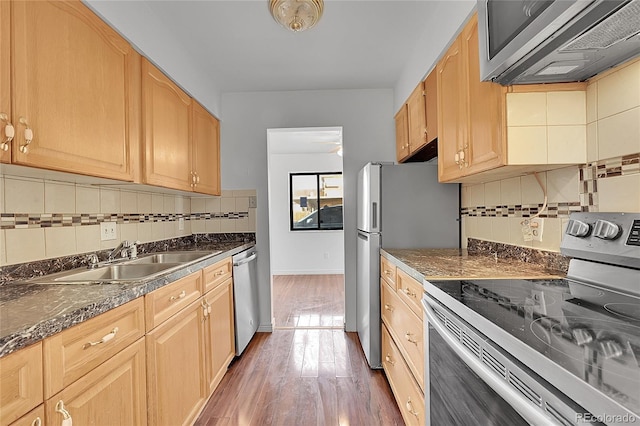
{"x": 181, "y": 224}
{"x": 253, "y": 202}
{"x": 108, "y": 231}
{"x": 537, "y": 226}
{"x": 326, "y": 256}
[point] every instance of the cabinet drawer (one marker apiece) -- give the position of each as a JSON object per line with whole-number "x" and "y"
{"x": 73, "y": 353}
{"x": 20, "y": 383}
{"x": 33, "y": 418}
{"x": 112, "y": 394}
{"x": 166, "y": 301}
{"x": 406, "y": 329}
{"x": 408, "y": 395}
{"x": 217, "y": 273}
{"x": 410, "y": 291}
{"x": 388, "y": 271}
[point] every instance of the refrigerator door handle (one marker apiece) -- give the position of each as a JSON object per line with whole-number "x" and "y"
{"x": 374, "y": 215}
{"x": 363, "y": 236}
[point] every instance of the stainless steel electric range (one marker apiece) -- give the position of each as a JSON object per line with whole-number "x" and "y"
{"x": 542, "y": 352}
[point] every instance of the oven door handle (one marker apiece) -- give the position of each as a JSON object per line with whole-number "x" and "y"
{"x": 501, "y": 387}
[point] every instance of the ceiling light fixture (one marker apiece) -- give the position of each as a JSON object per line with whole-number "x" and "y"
{"x": 296, "y": 15}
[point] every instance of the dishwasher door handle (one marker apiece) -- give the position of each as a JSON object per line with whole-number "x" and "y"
{"x": 246, "y": 260}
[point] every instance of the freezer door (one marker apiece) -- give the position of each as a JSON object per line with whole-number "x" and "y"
{"x": 368, "y": 297}
{"x": 368, "y": 193}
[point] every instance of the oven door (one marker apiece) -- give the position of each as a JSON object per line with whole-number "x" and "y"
{"x": 463, "y": 388}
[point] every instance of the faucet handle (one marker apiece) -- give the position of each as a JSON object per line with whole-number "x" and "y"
{"x": 92, "y": 261}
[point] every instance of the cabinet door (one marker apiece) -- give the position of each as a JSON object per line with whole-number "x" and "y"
{"x": 487, "y": 132}
{"x": 166, "y": 130}
{"x": 431, "y": 105}
{"x": 417, "y": 119}
{"x": 112, "y": 394}
{"x": 20, "y": 383}
{"x": 74, "y": 88}
{"x": 219, "y": 332}
{"x": 452, "y": 116}
{"x": 206, "y": 151}
{"x": 176, "y": 384}
{"x": 5, "y": 80}
{"x": 402, "y": 134}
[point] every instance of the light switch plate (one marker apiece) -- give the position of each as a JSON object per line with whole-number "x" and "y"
{"x": 108, "y": 231}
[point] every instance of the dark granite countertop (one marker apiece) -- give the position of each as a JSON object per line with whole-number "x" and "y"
{"x": 32, "y": 312}
{"x": 456, "y": 264}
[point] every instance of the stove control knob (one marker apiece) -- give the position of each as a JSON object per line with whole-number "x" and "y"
{"x": 578, "y": 228}
{"x": 610, "y": 349}
{"x": 606, "y": 230}
{"x": 582, "y": 336}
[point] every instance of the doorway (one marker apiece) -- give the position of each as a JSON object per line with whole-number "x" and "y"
{"x": 306, "y": 240}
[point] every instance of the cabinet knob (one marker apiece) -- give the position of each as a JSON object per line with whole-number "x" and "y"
{"x": 388, "y": 307}
{"x": 9, "y": 132}
{"x": 409, "y": 406}
{"x": 105, "y": 339}
{"x": 408, "y": 292}
{"x": 408, "y": 335}
{"x": 182, "y": 295}
{"x": 389, "y": 360}
{"x": 66, "y": 417}
{"x": 28, "y": 135}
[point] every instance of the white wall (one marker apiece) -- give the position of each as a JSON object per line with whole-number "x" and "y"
{"x": 300, "y": 252}
{"x": 440, "y": 28}
{"x": 366, "y": 117}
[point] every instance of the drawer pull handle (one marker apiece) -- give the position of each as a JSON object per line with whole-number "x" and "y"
{"x": 36, "y": 422}
{"x": 66, "y": 417}
{"x": 105, "y": 339}
{"x": 218, "y": 273}
{"x": 387, "y": 272}
{"x": 410, "y": 408}
{"x": 409, "y": 293}
{"x": 407, "y": 335}
{"x": 206, "y": 309}
{"x": 388, "y": 307}
{"x": 182, "y": 295}
{"x": 389, "y": 360}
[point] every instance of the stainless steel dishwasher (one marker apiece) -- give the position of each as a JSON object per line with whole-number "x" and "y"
{"x": 245, "y": 297}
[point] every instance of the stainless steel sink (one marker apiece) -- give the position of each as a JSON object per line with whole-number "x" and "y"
{"x": 171, "y": 257}
{"x": 117, "y": 272}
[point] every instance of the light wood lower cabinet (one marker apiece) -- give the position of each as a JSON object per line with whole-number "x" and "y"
{"x": 176, "y": 383}
{"x": 403, "y": 340}
{"x": 407, "y": 393}
{"x": 20, "y": 383}
{"x": 111, "y": 394}
{"x": 219, "y": 332}
{"x": 34, "y": 418}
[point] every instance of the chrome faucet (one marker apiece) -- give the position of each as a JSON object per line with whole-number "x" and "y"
{"x": 124, "y": 249}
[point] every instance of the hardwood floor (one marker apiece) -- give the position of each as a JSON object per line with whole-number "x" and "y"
{"x": 308, "y": 301}
{"x": 300, "y": 377}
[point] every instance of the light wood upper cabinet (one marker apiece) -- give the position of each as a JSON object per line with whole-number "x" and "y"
{"x": 20, "y": 383}
{"x": 5, "y": 82}
{"x": 431, "y": 105}
{"x": 485, "y": 148}
{"x": 452, "y": 112}
{"x": 114, "y": 393}
{"x": 206, "y": 151}
{"x": 166, "y": 131}
{"x": 402, "y": 134}
{"x": 416, "y": 111}
{"x": 75, "y": 90}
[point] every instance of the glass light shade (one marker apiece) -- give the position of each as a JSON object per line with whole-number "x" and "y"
{"x": 296, "y": 15}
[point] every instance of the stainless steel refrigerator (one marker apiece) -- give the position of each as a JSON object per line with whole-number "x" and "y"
{"x": 399, "y": 206}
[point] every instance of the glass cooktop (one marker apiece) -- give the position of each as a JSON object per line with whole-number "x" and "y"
{"x": 592, "y": 332}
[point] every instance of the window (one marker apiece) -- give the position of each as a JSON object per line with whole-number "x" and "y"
{"x": 316, "y": 201}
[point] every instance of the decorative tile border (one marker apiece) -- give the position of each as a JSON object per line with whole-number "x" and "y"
{"x": 590, "y": 173}
{"x": 612, "y": 167}
{"x": 553, "y": 210}
{"x": 50, "y": 220}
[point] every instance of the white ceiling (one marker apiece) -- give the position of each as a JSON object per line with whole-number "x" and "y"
{"x": 358, "y": 44}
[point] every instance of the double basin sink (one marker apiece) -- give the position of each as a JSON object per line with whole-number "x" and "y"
{"x": 140, "y": 268}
